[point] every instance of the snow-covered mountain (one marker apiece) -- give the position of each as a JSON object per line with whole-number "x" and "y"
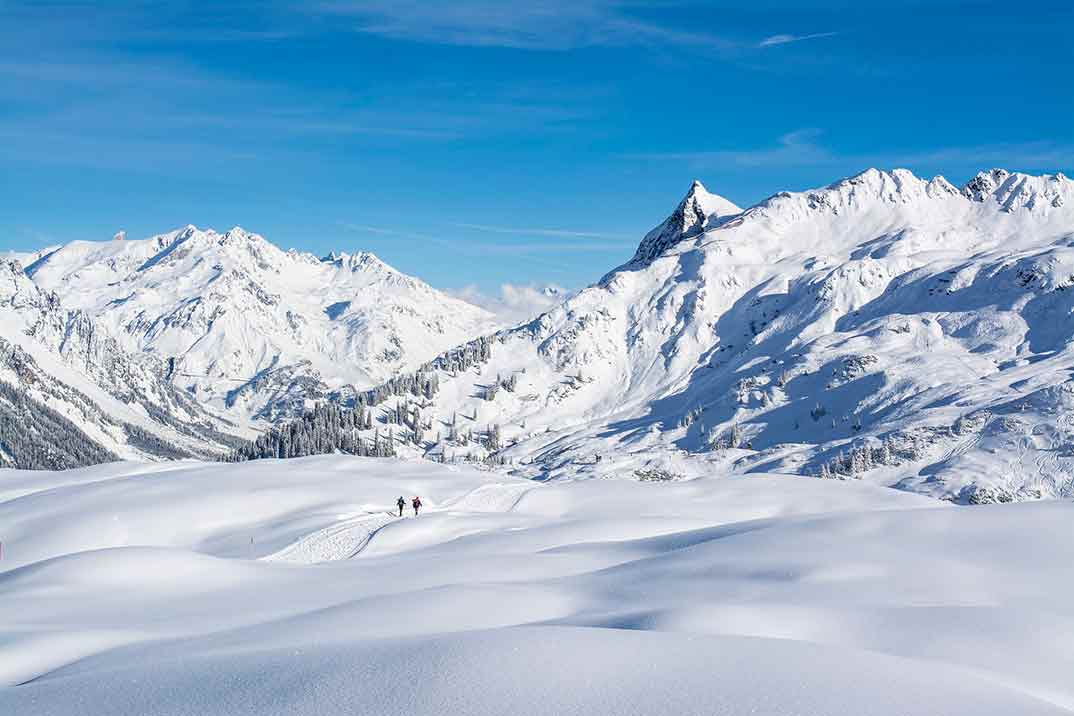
{"x": 894, "y": 328}
{"x": 70, "y": 395}
{"x": 25, "y": 258}
{"x": 254, "y": 330}
{"x": 886, "y": 327}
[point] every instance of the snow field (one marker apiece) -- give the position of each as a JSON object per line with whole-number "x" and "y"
{"x": 721, "y": 595}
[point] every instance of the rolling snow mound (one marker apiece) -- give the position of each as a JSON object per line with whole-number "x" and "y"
{"x": 135, "y": 588}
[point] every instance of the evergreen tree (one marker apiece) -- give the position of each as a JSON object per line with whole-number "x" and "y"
{"x": 736, "y": 436}
{"x": 886, "y": 456}
{"x": 494, "y": 438}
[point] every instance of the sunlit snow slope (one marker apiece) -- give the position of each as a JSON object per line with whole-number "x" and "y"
{"x": 70, "y": 395}
{"x": 132, "y": 589}
{"x": 886, "y": 327}
{"x": 250, "y": 328}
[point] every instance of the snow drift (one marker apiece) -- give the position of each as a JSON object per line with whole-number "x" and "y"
{"x": 146, "y": 589}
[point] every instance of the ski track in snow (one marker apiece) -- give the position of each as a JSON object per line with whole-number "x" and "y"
{"x": 343, "y": 540}
{"x": 347, "y": 538}
{"x": 498, "y": 497}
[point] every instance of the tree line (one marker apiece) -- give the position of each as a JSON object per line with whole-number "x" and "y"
{"x": 33, "y": 436}
{"x": 331, "y": 427}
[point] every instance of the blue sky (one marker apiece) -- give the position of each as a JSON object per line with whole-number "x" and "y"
{"x": 481, "y": 143}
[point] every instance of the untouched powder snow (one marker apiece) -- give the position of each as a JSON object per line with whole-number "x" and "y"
{"x": 136, "y": 588}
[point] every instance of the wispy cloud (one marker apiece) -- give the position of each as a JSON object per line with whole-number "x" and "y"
{"x": 95, "y": 87}
{"x": 389, "y": 232}
{"x": 38, "y": 238}
{"x": 1040, "y": 155}
{"x": 173, "y": 113}
{"x": 774, "y": 40}
{"x": 515, "y": 304}
{"x": 61, "y": 146}
{"x": 547, "y": 254}
{"x": 546, "y": 25}
{"x": 560, "y": 233}
{"x": 504, "y": 247}
{"x": 803, "y": 148}
{"x": 798, "y": 148}
{"x": 534, "y": 247}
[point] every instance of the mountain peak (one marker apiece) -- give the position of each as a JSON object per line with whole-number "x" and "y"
{"x": 711, "y": 205}
{"x": 986, "y": 182}
{"x": 1014, "y": 190}
{"x": 866, "y": 190}
{"x": 272, "y": 328}
{"x": 10, "y": 267}
{"x": 174, "y": 237}
{"x": 883, "y": 182}
{"x": 237, "y": 235}
{"x": 16, "y": 288}
{"x": 698, "y": 209}
{"x": 358, "y": 261}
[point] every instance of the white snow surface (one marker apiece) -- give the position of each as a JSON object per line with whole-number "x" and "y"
{"x": 151, "y": 588}
{"x": 251, "y": 325}
{"x": 27, "y": 257}
{"x": 882, "y": 309}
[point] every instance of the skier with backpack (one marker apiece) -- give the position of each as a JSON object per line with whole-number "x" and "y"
{"x": 416, "y": 504}
{"x": 400, "y": 503}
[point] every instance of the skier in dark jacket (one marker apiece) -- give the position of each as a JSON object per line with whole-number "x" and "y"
{"x": 400, "y": 503}
{"x": 416, "y": 504}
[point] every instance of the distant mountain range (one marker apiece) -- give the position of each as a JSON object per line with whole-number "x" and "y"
{"x": 886, "y": 327}
{"x": 251, "y": 330}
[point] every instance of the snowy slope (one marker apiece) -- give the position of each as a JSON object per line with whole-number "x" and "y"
{"x": 146, "y": 590}
{"x": 895, "y": 328}
{"x": 26, "y": 258}
{"x": 70, "y": 395}
{"x": 253, "y": 329}
{"x": 886, "y": 327}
